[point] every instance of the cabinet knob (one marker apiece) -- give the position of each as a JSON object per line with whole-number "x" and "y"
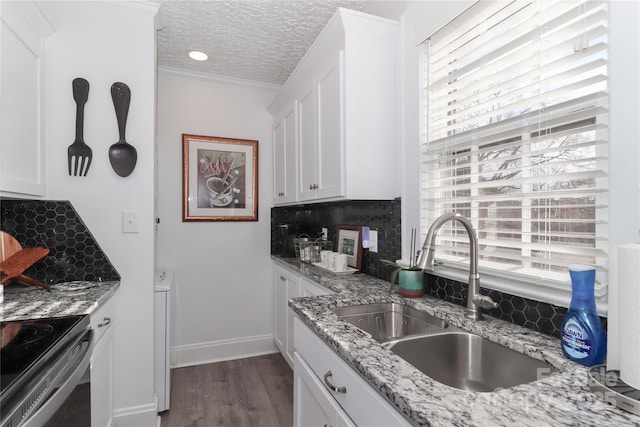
{"x": 105, "y": 322}
{"x": 331, "y": 386}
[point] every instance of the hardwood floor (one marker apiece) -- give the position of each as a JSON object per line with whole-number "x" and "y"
{"x": 256, "y": 391}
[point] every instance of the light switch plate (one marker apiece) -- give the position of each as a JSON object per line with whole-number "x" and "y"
{"x": 130, "y": 222}
{"x": 373, "y": 237}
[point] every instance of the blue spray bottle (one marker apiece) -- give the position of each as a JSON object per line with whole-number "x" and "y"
{"x": 583, "y": 337}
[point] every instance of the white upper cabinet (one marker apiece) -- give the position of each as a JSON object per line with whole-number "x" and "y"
{"x": 329, "y": 138}
{"x": 345, "y": 91}
{"x": 22, "y": 165}
{"x": 284, "y": 155}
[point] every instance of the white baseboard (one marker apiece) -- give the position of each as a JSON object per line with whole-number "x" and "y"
{"x": 219, "y": 351}
{"x": 137, "y": 416}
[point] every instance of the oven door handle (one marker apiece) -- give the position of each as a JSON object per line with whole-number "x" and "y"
{"x": 62, "y": 391}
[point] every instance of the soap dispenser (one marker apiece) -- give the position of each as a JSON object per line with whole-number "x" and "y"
{"x": 583, "y": 337}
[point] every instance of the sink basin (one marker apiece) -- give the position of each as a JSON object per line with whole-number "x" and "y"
{"x": 470, "y": 362}
{"x": 390, "y": 321}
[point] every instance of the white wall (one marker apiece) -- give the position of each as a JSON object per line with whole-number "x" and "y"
{"x": 105, "y": 42}
{"x": 223, "y": 300}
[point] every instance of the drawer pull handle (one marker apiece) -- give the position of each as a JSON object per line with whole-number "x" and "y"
{"x": 331, "y": 386}
{"x": 105, "y": 322}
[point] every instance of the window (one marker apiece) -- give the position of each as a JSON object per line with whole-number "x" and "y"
{"x": 514, "y": 136}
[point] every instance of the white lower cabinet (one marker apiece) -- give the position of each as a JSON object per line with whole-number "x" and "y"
{"x": 310, "y": 288}
{"x": 314, "y": 405}
{"x": 101, "y": 365}
{"x": 286, "y": 286}
{"x": 327, "y": 377}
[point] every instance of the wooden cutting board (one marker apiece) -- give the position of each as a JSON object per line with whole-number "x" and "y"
{"x": 17, "y": 263}
{"x": 13, "y": 262}
{"x": 8, "y": 246}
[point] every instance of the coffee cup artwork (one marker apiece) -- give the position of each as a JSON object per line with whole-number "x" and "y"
{"x": 222, "y": 171}
{"x": 220, "y": 179}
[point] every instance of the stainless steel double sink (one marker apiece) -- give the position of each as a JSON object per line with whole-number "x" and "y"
{"x": 445, "y": 353}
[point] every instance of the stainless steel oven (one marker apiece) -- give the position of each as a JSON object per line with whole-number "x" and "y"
{"x": 44, "y": 370}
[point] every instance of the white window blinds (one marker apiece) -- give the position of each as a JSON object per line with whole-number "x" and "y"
{"x": 514, "y": 131}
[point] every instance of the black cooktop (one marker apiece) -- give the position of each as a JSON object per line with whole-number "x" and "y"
{"x": 25, "y": 343}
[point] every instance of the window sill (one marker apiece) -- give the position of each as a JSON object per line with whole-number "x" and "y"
{"x": 515, "y": 287}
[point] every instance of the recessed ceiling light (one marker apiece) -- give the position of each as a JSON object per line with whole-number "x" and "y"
{"x": 196, "y": 55}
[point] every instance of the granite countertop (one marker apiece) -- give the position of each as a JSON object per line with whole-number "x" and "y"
{"x": 63, "y": 299}
{"x": 559, "y": 399}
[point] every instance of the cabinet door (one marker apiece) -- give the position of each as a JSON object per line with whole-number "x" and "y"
{"x": 312, "y": 289}
{"x": 102, "y": 382}
{"x": 102, "y": 365}
{"x": 287, "y": 286}
{"x": 284, "y": 156}
{"x": 22, "y": 105}
{"x": 307, "y": 144}
{"x": 280, "y": 310}
{"x": 293, "y": 291}
{"x": 330, "y": 138}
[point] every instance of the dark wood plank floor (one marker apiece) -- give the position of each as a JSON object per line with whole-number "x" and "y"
{"x": 256, "y": 391}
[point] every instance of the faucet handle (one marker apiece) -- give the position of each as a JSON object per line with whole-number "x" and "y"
{"x": 484, "y": 301}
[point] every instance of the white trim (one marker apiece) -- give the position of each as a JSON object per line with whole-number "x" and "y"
{"x": 136, "y": 416}
{"x": 33, "y": 14}
{"x": 429, "y": 17}
{"x": 136, "y": 6}
{"x": 217, "y": 78}
{"x": 222, "y": 350}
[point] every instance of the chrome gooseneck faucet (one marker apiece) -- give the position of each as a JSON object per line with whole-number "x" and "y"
{"x": 475, "y": 300}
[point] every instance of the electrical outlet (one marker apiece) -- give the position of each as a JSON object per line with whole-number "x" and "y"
{"x": 373, "y": 238}
{"x": 325, "y": 233}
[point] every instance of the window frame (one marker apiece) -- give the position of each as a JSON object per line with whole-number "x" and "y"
{"x": 513, "y": 284}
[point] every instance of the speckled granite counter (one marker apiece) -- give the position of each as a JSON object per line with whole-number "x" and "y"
{"x": 559, "y": 399}
{"x": 64, "y": 299}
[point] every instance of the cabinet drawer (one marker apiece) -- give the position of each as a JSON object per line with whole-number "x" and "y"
{"x": 364, "y": 405}
{"x": 103, "y": 318}
{"x": 315, "y": 405}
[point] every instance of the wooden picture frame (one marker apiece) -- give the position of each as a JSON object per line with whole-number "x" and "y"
{"x": 219, "y": 179}
{"x": 349, "y": 241}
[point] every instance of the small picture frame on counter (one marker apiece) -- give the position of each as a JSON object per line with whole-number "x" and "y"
{"x": 349, "y": 242}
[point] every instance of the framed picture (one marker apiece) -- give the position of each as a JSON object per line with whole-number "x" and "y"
{"x": 219, "y": 179}
{"x": 350, "y": 242}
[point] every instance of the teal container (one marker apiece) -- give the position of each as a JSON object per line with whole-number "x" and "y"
{"x": 582, "y": 335}
{"x": 410, "y": 283}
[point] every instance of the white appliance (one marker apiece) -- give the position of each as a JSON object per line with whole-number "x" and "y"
{"x": 164, "y": 282}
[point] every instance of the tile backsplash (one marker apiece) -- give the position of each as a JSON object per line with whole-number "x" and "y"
{"x": 381, "y": 215}
{"x": 74, "y": 253}
{"x": 384, "y": 215}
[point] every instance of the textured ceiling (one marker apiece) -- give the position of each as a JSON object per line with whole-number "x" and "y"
{"x": 258, "y": 40}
